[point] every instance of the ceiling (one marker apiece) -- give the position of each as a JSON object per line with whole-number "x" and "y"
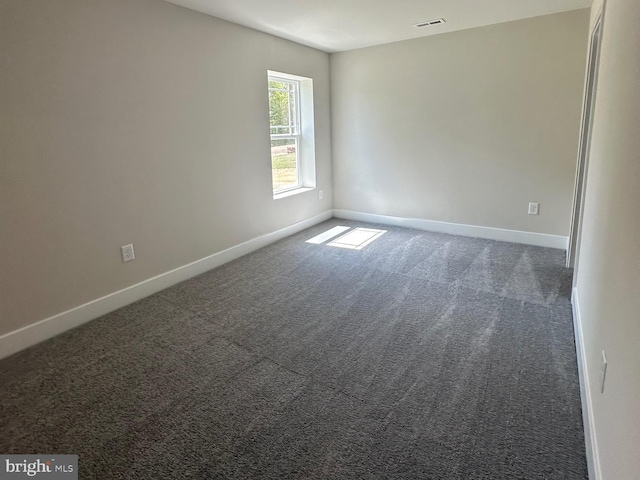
{"x": 338, "y": 25}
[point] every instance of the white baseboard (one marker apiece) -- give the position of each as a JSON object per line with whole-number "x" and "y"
{"x": 591, "y": 443}
{"x": 515, "y": 236}
{"x": 25, "y": 337}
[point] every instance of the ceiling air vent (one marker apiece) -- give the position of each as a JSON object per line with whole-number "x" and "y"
{"x": 438, "y": 21}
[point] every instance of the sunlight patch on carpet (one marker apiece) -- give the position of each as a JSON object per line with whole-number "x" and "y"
{"x": 358, "y": 238}
{"x": 324, "y": 236}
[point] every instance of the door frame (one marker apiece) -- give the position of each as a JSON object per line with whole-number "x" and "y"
{"x": 588, "y": 106}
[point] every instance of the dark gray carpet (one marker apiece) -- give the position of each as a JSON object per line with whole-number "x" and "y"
{"x": 422, "y": 356}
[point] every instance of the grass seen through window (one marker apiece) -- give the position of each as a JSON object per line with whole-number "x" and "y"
{"x": 284, "y": 166}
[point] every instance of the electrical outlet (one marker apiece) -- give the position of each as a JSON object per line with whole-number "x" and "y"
{"x": 127, "y": 253}
{"x": 533, "y": 208}
{"x": 603, "y": 371}
{"x": 320, "y": 194}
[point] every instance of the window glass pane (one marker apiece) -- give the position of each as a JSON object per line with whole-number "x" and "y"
{"x": 278, "y": 84}
{"x": 292, "y": 109}
{"x": 282, "y": 107}
{"x": 284, "y": 163}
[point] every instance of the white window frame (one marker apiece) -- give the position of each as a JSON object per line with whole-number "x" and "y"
{"x": 303, "y": 126}
{"x": 294, "y": 127}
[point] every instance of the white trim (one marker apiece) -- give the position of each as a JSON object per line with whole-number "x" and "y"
{"x": 584, "y": 142}
{"x": 293, "y": 191}
{"x": 25, "y": 337}
{"x": 515, "y": 236}
{"x": 590, "y": 440}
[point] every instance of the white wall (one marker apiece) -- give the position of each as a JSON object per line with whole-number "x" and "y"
{"x": 608, "y": 274}
{"x": 134, "y": 121}
{"x": 465, "y": 127}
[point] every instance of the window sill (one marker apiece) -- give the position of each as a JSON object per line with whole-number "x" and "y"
{"x": 289, "y": 193}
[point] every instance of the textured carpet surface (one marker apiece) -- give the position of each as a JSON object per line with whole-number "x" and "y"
{"x": 420, "y": 356}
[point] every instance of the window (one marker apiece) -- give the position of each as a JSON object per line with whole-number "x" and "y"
{"x": 284, "y": 120}
{"x": 292, "y": 133}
